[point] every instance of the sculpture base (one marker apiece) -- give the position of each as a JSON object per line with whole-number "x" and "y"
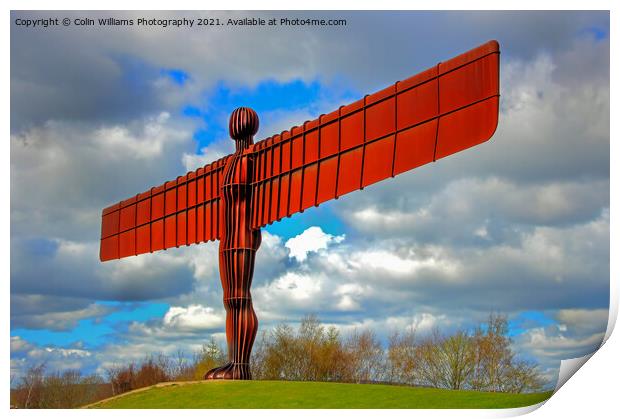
{"x": 230, "y": 371}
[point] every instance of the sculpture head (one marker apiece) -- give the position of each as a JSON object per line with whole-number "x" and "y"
{"x": 242, "y": 126}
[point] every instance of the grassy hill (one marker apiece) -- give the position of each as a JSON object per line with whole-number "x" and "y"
{"x": 290, "y": 394}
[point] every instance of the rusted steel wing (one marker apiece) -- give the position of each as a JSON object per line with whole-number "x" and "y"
{"x": 443, "y": 110}
{"x": 181, "y": 212}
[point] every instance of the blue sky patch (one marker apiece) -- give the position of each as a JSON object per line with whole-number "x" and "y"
{"x": 322, "y": 216}
{"x": 86, "y": 331}
{"x": 191, "y": 111}
{"x": 95, "y": 332}
{"x": 177, "y": 76}
{"x": 528, "y": 320}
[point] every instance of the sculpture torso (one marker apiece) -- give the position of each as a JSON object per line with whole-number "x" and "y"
{"x": 237, "y": 232}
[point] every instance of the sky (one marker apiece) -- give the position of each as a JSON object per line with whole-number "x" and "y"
{"x": 518, "y": 225}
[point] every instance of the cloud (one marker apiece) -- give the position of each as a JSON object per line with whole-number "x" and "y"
{"x": 119, "y": 141}
{"x": 292, "y": 290}
{"x": 582, "y": 321}
{"x": 311, "y": 240}
{"x": 25, "y": 354}
{"x": 474, "y": 211}
{"x": 74, "y": 270}
{"x": 207, "y": 155}
{"x": 545, "y": 344}
{"x": 64, "y": 173}
{"x": 194, "y": 317}
{"x": 567, "y": 265}
{"x": 58, "y": 320}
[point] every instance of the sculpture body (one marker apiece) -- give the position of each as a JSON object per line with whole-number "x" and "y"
{"x": 441, "y": 111}
{"x": 238, "y": 247}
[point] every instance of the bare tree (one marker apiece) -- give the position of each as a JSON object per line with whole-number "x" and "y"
{"x": 523, "y": 376}
{"x": 181, "y": 368}
{"x": 210, "y": 356}
{"x": 366, "y": 356}
{"x": 457, "y": 358}
{"x": 314, "y": 353}
{"x": 281, "y": 358}
{"x": 493, "y": 355}
{"x": 402, "y": 360}
{"x": 258, "y": 356}
{"x": 32, "y": 381}
{"x": 112, "y": 373}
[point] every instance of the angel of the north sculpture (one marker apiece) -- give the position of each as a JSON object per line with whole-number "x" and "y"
{"x": 448, "y": 108}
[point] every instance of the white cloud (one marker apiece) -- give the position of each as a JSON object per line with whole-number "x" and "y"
{"x": 207, "y": 155}
{"x": 119, "y": 142}
{"x": 25, "y": 354}
{"x": 19, "y": 345}
{"x": 313, "y": 239}
{"x": 63, "y": 173}
{"x": 194, "y": 318}
{"x": 349, "y": 295}
{"x": 386, "y": 262}
{"x": 297, "y": 287}
{"x": 456, "y": 211}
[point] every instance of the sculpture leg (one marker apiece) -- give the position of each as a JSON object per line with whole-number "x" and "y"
{"x": 236, "y": 269}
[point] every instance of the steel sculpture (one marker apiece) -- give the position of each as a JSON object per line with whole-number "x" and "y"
{"x": 438, "y": 112}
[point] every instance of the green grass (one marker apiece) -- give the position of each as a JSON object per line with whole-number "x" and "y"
{"x": 290, "y": 394}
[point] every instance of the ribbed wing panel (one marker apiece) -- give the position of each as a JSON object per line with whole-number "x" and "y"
{"x": 181, "y": 212}
{"x": 443, "y": 110}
